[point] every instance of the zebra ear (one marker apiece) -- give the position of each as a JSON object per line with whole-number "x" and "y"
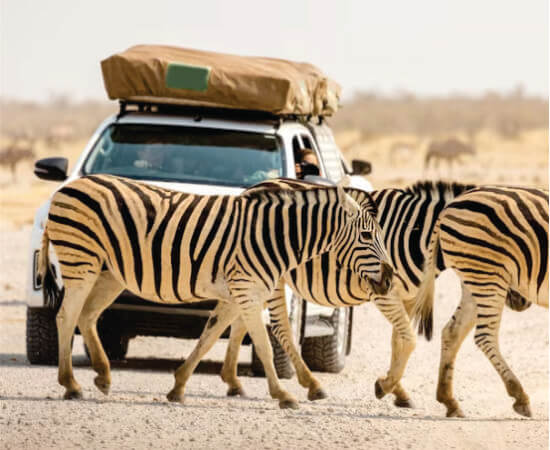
{"x": 345, "y": 181}
{"x": 349, "y": 205}
{"x": 342, "y": 197}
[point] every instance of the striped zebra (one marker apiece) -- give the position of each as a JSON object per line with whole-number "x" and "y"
{"x": 406, "y": 217}
{"x": 110, "y": 234}
{"x": 496, "y": 239}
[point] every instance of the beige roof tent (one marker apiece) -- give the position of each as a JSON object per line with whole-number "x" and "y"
{"x": 174, "y": 75}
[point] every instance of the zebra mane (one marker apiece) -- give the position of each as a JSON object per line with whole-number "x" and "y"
{"x": 282, "y": 184}
{"x": 439, "y": 186}
{"x": 363, "y": 198}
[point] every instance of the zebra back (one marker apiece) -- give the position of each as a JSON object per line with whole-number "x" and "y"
{"x": 504, "y": 227}
{"x": 162, "y": 245}
{"x": 407, "y": 218}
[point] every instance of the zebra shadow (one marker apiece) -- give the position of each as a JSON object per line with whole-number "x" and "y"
{"x": 169, "y": 365}
{"x": 265, "y": 405}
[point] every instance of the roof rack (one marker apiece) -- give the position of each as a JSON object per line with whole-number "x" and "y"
{"x": 129, "y": 106}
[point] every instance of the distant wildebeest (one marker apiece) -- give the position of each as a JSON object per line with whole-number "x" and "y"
{"x": 450, "y": 149}
{"x": 14, "y": 153}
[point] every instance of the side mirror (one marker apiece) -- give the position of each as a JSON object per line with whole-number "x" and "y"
{"x": 360, "y": 167}
{"x": 54, "y": 169}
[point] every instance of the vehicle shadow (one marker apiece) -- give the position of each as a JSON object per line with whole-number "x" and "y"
{"x": 207, "y": 367}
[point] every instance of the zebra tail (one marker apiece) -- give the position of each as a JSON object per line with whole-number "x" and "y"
{"x": 53, "y": 295}
{"x": 422, "y": 313}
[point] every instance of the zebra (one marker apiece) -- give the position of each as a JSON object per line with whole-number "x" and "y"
{"x": 111, "y": 233}
{"x": 495, "y": 238}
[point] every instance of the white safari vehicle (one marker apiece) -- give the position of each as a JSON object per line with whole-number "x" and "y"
{"x": 204, "y": 151}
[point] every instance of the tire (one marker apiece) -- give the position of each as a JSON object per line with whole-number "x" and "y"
{"x": 281, "y": 361}
{"x": 113, "y": 341}
{"x": 328, "y": 353}
{"x": 42, "y": 346}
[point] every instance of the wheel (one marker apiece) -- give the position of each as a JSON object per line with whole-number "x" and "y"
{"x": 42, "y": 347}
{"x": 281, "y": 361}
{"x": 328, "y": 353}
{"x": 114, "y": 342}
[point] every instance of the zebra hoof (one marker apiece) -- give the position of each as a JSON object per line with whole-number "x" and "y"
{"x": 317, "y": 394}
{"x": 72, "y": 395}
{"x": 378, "y": 391}
{"x": 523, "y": 409}
{"x": 102, "y": 385}
{"x": 288, "y": 404}
{"x": 455, "y": 412}
{"x": 175, "y": 396}
{"x": 235, "y": 391}
{"x": 403, "y": 403}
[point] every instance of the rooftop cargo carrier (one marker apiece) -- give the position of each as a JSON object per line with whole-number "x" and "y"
{"x": 174, "y": 75}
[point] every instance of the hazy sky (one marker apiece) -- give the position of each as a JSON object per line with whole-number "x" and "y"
{"x": 423, "y": 46}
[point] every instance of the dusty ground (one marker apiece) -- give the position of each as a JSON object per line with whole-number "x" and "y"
{"x": 137, "y": 415}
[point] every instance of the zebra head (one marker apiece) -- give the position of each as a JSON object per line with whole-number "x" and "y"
{"x": 361, "y": 247}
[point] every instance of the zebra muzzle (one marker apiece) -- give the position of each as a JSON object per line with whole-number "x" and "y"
{"x": 384, "y": 285}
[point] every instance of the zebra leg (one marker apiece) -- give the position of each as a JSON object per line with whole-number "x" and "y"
{"x": 402, "y": 346}
{"x": 489, "y": 313}
{"x": 402, "y": 398}
{"x": 280, "y": 326}
{"x": 229, "y": 368}
{"x": 252, "y": 316}
{"x": 452, "y": 336}
{"x": 75, "y": 296}
{"x": 104, "y": 293}
{"x": 222, "y": 316}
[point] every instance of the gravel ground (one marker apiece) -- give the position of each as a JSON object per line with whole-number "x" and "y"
{"x": 137, "y": 415}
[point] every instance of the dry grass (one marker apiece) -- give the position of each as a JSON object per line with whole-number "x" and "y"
{"x": 522, "y": 161}
{"x": 20, "y": 200}
{"x": 366, "y": 128}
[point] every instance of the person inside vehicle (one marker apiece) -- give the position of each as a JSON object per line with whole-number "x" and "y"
{"x": 306, "y": 163}
{"x": 150, "y": 156}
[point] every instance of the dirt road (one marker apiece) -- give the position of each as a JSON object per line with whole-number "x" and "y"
{"x": 136, "y": 414}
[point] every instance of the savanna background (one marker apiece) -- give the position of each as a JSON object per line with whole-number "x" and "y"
{"x": 414, "y": 75}
{"x": 507, "y": 131}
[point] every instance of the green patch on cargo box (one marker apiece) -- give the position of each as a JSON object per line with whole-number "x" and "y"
{"x": 186, "y": 76}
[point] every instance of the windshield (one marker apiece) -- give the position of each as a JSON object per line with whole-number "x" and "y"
{"x": 186, "y": 154}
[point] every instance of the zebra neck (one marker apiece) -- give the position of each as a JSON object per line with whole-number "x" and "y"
{"x": 316, "y": 225}
{"x": 285, "y": 229}
{"x": 407, "y": 217}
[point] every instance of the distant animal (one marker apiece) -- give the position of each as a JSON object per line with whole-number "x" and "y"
{"x": 449, "y": 149}
{"x": 14, "y": 153}
{"x": 496, "y": 240}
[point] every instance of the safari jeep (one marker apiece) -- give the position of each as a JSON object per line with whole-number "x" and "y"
{"x": 203, "y": 151}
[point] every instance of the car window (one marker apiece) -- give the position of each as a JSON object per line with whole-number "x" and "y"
{"x": 186, "y": 154}
{"x": 329, "y": 152}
